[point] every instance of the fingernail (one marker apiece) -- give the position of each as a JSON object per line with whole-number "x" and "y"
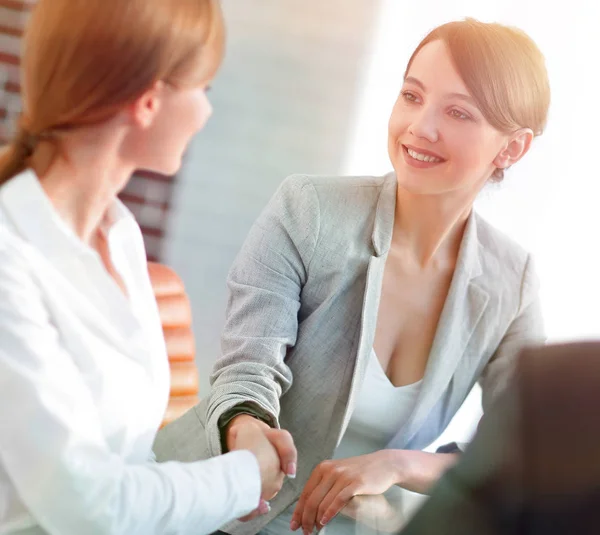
{"x": 264, "y": 507}
{"x": 291, "y": 470}
{"x": 294, "y": 525}
{"x": 324, "y": 520}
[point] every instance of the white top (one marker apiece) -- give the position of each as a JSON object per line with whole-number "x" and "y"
{"x": 84, "y": 383}
{"x": 380, "y": 412}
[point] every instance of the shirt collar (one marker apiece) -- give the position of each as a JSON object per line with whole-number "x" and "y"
{"x": 35, "y": 218}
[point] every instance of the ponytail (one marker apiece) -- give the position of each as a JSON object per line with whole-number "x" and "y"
{"x": 14, "y": 158}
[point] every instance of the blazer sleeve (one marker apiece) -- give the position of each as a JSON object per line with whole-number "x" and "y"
{"x": 53, "y": 448}
{"x": 265, "y": 285}
{"x": 526, "y": 328}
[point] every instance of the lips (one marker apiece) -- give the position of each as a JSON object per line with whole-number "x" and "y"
{"x": 423, "y": 155}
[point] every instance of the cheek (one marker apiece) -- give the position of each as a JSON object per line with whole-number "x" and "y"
{"x": 190, "y": 113}
{"x": 202, "y": 110}
{"x": 396, "y": 124}
{"x": 468, "y": 147}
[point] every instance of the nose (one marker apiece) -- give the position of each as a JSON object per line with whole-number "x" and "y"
{"x": 209, "y": 108}
{"x": 425, "y": 125}
{"x": 204, "y": 111}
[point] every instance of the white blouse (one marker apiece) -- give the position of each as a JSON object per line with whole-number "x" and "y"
{"x": 84, "y": 383}
{"x": 380, "y": 412}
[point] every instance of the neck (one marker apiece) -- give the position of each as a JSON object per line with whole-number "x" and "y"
{"x": 83, "y": 185}
{"x": 428, "y": 229}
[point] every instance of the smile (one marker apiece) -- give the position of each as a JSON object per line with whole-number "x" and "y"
{"x": 423, "y": 157}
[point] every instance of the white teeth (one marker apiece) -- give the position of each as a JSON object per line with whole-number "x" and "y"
{"x": 423, "y": 157}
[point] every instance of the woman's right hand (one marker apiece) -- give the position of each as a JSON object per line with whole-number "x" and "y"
{"x": 280, "y": 439}
{"x": 251, "y": 437}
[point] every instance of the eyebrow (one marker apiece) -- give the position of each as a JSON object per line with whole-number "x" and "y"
{"x": 461, "y": 96}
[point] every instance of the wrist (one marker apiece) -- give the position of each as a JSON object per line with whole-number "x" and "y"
{"x": 418, "y": 471}
{"x": 236, "y": 423}
{"x": 397, "y": 460}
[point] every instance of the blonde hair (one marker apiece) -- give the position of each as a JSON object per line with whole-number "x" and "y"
{"x": 503, "y": 69}
{"x": 84, "y": 60}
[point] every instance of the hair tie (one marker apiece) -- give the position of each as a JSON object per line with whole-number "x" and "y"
{"x": 27, "y": 141}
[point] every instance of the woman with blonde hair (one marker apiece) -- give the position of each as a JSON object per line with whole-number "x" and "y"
{"x": 110, "y": 86}
{"x": 363, "y": 310}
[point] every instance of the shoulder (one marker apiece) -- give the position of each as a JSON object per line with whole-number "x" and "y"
{"x": 332, "y": 211}
{"x": 498, "y": 245}
{"x": 334, "y": 184}
{"x": 335, "y": 195}
{"x": 13, "y": 249}
{"x": 18, "y": 260}
{"x": 505, "y": 262}
{"x": 22, "y": 297}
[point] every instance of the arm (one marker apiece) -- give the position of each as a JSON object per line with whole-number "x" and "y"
{"x": 418, "y": 471}
{"x": 334, "y": 483}
{"x": 265, "y": 283}
{"x": 53, "y": 450}
{"x": 526, "y": 328}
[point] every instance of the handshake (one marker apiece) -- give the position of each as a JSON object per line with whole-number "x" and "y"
{"x": 274, "y": 449}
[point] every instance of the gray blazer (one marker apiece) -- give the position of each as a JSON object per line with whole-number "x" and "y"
{"x": 301, "y": 318}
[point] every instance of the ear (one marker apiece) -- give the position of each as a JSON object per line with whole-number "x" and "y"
{"x": 146, "y": 107}
{"x": 516, "y": 146}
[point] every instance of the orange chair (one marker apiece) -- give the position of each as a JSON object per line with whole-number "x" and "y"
{"x": 176, "y": 317}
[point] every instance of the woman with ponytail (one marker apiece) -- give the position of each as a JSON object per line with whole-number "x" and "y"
{"x": 84, "y": 380}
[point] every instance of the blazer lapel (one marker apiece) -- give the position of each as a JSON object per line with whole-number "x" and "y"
{"x": 381, "y": 240}
{"x": 462, "y": 311}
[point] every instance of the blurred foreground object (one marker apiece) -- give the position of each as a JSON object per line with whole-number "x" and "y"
{"x": 534, "y": 464}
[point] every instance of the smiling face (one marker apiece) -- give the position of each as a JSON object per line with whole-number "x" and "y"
{"x": 438, "y": 140}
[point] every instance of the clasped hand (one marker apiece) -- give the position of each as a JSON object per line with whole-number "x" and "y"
{"x": 274, "y": 450}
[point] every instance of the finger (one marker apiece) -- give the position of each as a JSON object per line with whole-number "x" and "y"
{"x": 263, "y": 508}
{"x": 334, "y": 502}
{"x": 272, "y": 491}
{"x": 311, "y": 506}
{"x": 311, "y": 484}
{"x": 283, "y": 442}
{"x": 251, "y": 516}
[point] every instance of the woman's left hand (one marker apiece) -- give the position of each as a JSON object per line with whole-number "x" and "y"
{"x": 376, "y": 512}
{"x": 334, "y": 483}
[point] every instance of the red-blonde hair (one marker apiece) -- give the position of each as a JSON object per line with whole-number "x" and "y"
{"x": 85, "y": 60}
{"x": 503, "y": 69}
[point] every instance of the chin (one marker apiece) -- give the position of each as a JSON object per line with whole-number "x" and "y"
{"x": 417, "y": 184}
{"x": 167, "y": 168}
{"x": 418, "y": 189}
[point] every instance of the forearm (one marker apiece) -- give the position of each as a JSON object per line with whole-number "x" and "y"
{"x": 418, "y": 471}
